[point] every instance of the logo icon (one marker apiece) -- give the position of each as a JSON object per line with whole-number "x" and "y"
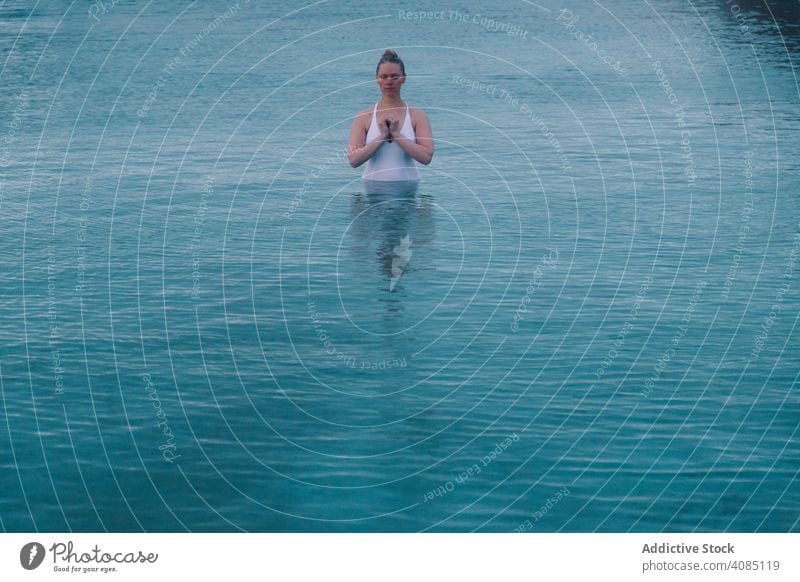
{"x": 31, "y": 555}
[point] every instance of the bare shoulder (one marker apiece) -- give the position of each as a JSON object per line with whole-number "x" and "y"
{"x": 364, "y": 114}
{"x": 419, "y": 119}
{"x": 417, "y": 114}
{"x": 363, "y": 118}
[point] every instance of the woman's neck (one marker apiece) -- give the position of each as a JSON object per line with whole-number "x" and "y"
{"x": 390, "y": 103}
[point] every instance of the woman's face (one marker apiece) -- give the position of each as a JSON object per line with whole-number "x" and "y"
{"x": 390, "y": 77}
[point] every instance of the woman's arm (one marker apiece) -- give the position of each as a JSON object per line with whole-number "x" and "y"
{"x": 421, "y": 149}
{"x": 358, "y": 151}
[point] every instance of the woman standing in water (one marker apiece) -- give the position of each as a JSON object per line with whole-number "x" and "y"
{"x": 390, "y": 135}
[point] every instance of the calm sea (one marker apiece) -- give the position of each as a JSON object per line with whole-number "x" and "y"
{"x": 583, "y": 319}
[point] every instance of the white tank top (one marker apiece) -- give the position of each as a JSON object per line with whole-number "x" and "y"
{"x": 390, "y": 162}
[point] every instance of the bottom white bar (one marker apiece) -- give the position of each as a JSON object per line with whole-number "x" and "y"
{"x": 401, "y": 557}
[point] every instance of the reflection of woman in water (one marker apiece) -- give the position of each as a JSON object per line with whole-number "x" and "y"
{"x": 390, "y": 135}
{"x": 384, "y": 218}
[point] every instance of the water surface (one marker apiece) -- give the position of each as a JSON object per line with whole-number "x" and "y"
{"x": 583, "y": 319}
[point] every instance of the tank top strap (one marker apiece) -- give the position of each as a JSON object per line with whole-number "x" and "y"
{"x": 408, "y": 126}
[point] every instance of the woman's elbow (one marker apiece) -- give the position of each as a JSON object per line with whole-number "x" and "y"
{"x": 356, "y": 155}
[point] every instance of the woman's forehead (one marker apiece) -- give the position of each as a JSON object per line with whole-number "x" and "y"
{"x": 390, "y": 68}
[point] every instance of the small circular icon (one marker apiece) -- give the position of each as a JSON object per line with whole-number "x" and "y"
{"x": 31, "y": 555}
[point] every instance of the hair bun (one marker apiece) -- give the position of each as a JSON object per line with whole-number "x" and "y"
{"x": 390, "y": 56}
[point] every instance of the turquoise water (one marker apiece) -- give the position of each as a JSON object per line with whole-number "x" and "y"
{"x": 584, "y": 318}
